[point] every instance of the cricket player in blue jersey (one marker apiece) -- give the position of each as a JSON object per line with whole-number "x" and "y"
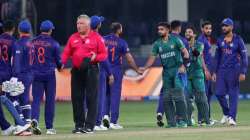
{"x": 47, "y": 58}
{"x": 23, "y": 57}
{"x": 105, "y": 71}
{"x": 205, "y": 38}
{"x": 117, "y": 48}
{"x": 7, "y": 44}
{"x": 230, "y": 68}
{"x": 176, "y": 27}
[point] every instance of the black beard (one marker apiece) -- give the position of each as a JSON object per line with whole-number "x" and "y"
{"x": 225, "y": 33}
{"x": 206, "y": 35}
{"x": 188, "y": 39}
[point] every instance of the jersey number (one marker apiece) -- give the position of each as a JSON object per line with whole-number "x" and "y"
{"x": 4, "y": 52}
{"x": 41, "y": 52}
{"x": 113, "y": 54}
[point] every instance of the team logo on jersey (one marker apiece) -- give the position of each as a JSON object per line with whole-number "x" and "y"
{"x": 87, "y": 41}
{"x": 231, "y": 45}
{"x": 172, "y": 46}
{"x": 223, "y": 43}
{"x": 160, "y": 49}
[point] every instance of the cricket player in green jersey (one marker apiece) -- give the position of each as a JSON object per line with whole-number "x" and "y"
{"x": 170, "y": 48}
{"x": 196, "y": 78}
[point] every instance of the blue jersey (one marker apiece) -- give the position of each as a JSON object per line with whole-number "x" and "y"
{"x": 47, "y": 55}
{"x": 7, "y": 44}
{"x": 184, "y": 40}
{"x": 207, "y": 51}
{"x": 23, "y": 56}
{"x": 117, "y": 48}
{"x": 231, "y": 54}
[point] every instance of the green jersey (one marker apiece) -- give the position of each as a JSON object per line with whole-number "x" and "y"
{"x": 195, "y": 69}
{"x": 169, "y": 51}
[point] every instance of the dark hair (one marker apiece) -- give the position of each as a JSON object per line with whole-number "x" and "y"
{"x": 8, "y": 25}
{"x": 192, "y": 28}
{"x": 115, "y": 26}
{"x": 164, "y": 24}
{"x": 175, "y": 24}
{"x": 207, "y": 22}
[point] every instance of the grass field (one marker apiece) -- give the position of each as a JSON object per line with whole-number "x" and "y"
{"x": 138, "y": 118}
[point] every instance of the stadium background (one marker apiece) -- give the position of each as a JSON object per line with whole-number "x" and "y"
{"x": 139, "y": 18}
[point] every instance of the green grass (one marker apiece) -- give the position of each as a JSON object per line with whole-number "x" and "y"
{"x": 138, "y": 118}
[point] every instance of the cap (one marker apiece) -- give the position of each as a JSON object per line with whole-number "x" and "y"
{"x": 24, "y": 26}
{"x": 46, "y": 25}
{"x": 95, "y": 21}
{"x": 228, "y": 22}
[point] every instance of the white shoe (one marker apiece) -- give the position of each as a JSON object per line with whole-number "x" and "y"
{"x": 51, "y": 131}
{"x": 106, "y": 121}
{"x": 115, "y": 126}
{"x": 8, "y": 131}
{"x": 224, "y": 119}
{"x": 231, "y": 121}
{"x": 100, "y": 128}
{"x": 19, "y": 129}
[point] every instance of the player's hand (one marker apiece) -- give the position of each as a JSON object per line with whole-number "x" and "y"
{"x": 242, "y": 77}
{"x": 208, "y": 75}
{"x": 140, "y": 70}
{"x": 111, "y": 79}
{"x": 182, "y": 69}
{"x": 60, "y": 69}
{"x": 93, "y": 56}
{"x": 214, "y": 77}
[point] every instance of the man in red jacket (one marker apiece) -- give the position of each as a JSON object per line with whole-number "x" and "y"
{"x": 87, "y": 49}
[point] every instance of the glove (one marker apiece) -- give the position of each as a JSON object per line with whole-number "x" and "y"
{"x": 195, "y": 52}
{"x": 13, "y": 87}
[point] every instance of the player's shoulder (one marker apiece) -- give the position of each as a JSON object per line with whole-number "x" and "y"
{"x": 199, "y": 44}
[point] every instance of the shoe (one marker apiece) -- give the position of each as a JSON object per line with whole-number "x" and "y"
{"x": 182, "y": 124}
{"x": 35, "y": 129}
{"x": 25, "y": 133}
{"x": 88, "y": 131}
{"x": 159, "y": 118}
{"x": 100, "y": 128}
{"x": 231, "y": 121}
{"x": 51, "y": 131}
{"x": 115, "y": 126}
{"x": 201, "y": 123}
{"x": 9, "y": 131}
{"x": 106, "y": 121}
{"x": 19, "y": 129}
{"x": 77, "y": 131}
{"x": 224, "y": 119}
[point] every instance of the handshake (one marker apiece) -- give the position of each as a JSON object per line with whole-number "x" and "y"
{"x": 13, "y": 87}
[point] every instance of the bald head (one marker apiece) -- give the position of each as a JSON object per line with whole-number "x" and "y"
{"x": 83, "y": 24}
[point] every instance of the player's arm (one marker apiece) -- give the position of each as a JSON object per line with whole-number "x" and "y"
{"x": 102, "y": 53}
{"x": 152, "y": 57}
{"x": 57, "y": 57}
{"x": 67, "y": 52}
{"x": 244, "y": 60}
{"x": 216, "y": 61}
{"x": 131, "y": 62}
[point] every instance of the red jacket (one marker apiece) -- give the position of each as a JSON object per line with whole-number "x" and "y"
{"x": 79, "y": 48}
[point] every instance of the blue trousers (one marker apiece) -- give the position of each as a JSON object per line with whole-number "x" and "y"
{"x": 113, "y": 95}
{"x": 102, "y": 89}
{"x": 44, "y": 84}
{"x": 10, "y": 107}
{"x": 227, "y": 83}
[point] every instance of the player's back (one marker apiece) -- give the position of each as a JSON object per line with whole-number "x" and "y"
{"x": 7, "y": 45}
{"x": 117, "y": 48}
{"x": 46, "y": 54}
{"x": 23, "y": 55}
